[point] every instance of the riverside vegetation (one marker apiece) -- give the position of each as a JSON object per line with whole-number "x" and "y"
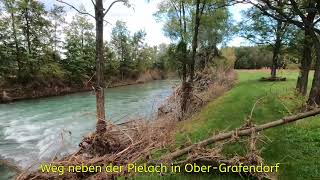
{"x": 190, "y": 127}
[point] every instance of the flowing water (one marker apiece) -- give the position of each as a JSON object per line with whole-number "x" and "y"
{"x": 35, "y": 130}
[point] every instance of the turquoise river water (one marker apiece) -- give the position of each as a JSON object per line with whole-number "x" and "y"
{"x": 36, "y": 130}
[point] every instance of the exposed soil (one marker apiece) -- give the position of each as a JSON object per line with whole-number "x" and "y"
{"x": 10, "y": 93}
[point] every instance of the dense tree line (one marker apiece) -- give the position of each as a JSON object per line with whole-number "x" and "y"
{"x": 38, "y": 46}
{"x": 258, "y": 57}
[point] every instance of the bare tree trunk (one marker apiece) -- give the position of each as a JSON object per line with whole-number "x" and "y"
{"x": 184, "y": 87}
{"x": 276, "y": 50}
{"x": 195, "y": 38}
{"x": 27, "y": 35}
{"x": 101, "y": 123}
{"x": 302, "y": 83}
{"x": 14, "y": 32}
{"x": 187, "y": 86}
{"x": 314, "y": 97}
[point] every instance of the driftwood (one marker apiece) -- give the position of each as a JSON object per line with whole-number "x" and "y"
{"x": 241, "y": 132}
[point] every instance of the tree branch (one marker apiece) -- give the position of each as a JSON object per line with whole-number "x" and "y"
{"x": 114, "y": 2}
{"x": 94, "y": 4}
{"x": 73, "y": 7}
{"x": 81, "y": 12}
{"x": 281, "y": 16}
{"x": 241, "y": 132}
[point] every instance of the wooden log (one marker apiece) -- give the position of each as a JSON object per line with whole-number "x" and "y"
{"x": 243, "y": 132}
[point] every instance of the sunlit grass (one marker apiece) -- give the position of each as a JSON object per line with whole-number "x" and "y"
{"x": 296, "y": 146}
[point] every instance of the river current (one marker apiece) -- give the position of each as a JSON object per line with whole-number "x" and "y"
{"x": 35, "y": 130}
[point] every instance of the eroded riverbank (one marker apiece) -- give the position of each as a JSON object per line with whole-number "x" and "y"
{"x": 19, "y": 93}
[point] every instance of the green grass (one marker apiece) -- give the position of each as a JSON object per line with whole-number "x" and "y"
{"x": 296, "y": 146}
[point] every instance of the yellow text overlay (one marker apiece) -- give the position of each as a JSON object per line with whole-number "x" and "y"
{"x": 144, "y": 168}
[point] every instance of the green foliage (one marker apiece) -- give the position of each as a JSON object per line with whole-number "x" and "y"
{"x": 37, "y": 46}
{"x": 80, "y": 46}
{"x": 130, "y": 54}
{"x": 52, "y": 72}
{"x": 252, "y": 57}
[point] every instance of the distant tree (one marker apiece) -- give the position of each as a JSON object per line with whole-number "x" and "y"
{"x": 34, "y": 25}
{"x": 80, "y": 46}
{"x": 11, "y": 8}
{"x": 255, "y": 57}
{"x": 56, "y": 16}
{"x": 120, "y": 40}
{"x": 264, "y": 30}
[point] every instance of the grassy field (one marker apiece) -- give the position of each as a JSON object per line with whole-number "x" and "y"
{"x": 295, "y": 146}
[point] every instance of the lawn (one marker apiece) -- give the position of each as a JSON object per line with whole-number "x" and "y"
{"x": 295, "y": 146}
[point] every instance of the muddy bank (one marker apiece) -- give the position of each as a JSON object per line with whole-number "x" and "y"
{"x": 34, "y": 91}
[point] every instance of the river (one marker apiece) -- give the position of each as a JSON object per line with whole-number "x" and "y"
{"x": 36, "y": 130}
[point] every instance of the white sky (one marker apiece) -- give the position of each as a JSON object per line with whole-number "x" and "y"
{"x": 139, "y": 16}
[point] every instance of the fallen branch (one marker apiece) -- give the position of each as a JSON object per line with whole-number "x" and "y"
{"x": 243, "y": 132}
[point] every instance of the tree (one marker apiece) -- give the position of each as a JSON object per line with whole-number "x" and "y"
{"x": 57, "y": 19}
{"x": 34, "y": 26}
{"x": 297, "y": 15}
{"x": 100, "y": 13}
{"x": 11, "y": 8}
{"x": 120, "y": 39}
{"x": 80, "y": 46}
{"x": 183, "y": 22}
{"x": 216, "y": 29}
{"x": 264, "y": 30}
{"x": 306, "y": 59}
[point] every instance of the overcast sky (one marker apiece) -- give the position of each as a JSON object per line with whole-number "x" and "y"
{"x": 139, "y": 16}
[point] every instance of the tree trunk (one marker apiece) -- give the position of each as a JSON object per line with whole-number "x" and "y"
{"x": 26, "y": 16}
{"x": 314, "y": 97}
{"x": 276, "y": 50}
{"x": 183, "y": 27}
{"x": 101, "y": 123}
{"x": 302, "y": 83}
{"x": 195, "y": 39}
{"x": 14, "y": 32}
{"x": 27, "y": 35}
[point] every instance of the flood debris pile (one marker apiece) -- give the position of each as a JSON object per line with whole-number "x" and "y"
{"x": 208, "y": 84}
{"x": 122, "y": 144}
{"x": 214, "y": 157}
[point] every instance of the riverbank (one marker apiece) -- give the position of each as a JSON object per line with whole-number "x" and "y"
{"x": 136, "y": 140}
{"x": 32, "y": 91}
